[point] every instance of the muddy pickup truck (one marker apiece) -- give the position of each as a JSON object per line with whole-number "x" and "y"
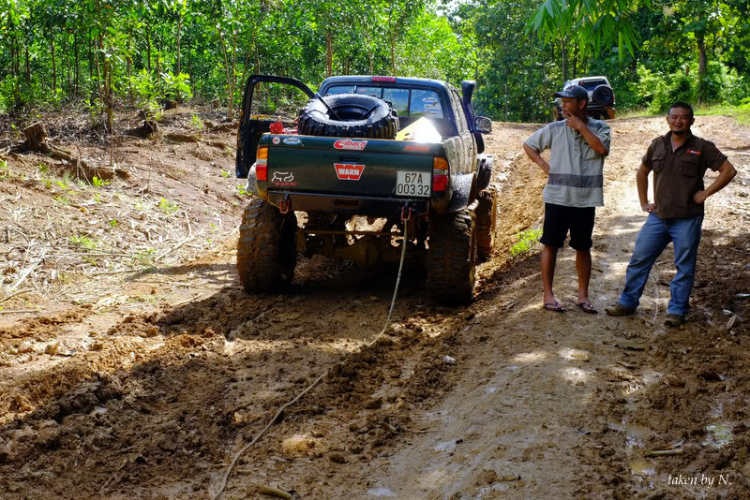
{"x": 367, "y": 161}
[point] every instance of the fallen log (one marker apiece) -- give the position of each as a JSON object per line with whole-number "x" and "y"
{"x": 182, "y": 137}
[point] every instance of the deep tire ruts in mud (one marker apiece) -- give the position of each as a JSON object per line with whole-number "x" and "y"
{"x": 486, "y": 217}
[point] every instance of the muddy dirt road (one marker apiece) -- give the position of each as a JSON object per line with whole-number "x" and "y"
{"x": 132, "y": 364}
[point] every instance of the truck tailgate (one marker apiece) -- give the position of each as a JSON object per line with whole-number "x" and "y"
{"x": 354, "y": 167}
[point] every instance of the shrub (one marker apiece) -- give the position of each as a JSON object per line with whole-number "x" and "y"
{"x": 527, "y": 241}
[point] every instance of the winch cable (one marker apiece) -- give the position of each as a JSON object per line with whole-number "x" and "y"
{"x": 321, "y": 377}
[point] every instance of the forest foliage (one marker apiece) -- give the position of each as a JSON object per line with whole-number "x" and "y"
{"x": 105, "y": 55}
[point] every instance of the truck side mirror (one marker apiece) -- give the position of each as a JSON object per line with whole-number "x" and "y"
{"x": 483, "y": 125}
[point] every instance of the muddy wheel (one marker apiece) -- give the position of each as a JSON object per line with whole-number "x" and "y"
{"x": 266, "y": 252}
{"x": 486, "y": 214}
{"x": 451, "y": 257}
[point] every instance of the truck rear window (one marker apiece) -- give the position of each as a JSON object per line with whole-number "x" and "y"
{"x": 412, "y": 103}
{"x": 592, "y": 84}
{"x": 425, "y": 103}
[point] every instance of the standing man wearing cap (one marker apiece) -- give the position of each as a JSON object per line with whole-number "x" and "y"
{"x": 574, "y": 188}
{"x": 679, "y": 161}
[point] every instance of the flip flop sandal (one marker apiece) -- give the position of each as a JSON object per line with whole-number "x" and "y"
{"x": 554, "y": 307}
{"x": 587, "y": 308}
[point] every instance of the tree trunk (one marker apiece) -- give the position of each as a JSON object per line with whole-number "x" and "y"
{"x": 505, "y": 96}
{"x": 14, "y": 71}
{"x": 91, "y": 59}
{"x": 564, "y": 58}
{"x": 68, "y": 69}
{"x": 28, "y": 64}
{"x": 257, "y": 58}
{"x": 54, "y": 65}
{"x": 234, "y": 77}
{"x": 99, "y": 77}
{"x": 575, "y": 60}
{"x": 701, "y": 39}
{"x": 227, "y": 69}
{"x": 179, "y": 30}
{"x": 131, "y": 96}
{"x": 110, "y": 98}
{"x": 392, "y": 37}
{"x": 393, "y": 54}
{"x": 78, "y": 69}
{"x": 329, "y": 54}
{"x": 178, "y": 97}
{"x": 148, "y": 51}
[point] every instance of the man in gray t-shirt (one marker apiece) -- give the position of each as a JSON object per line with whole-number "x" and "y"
{"x": 575, "y": 180}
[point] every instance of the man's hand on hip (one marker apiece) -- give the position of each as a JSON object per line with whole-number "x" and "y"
{"x": 648, "y": 207}
{"x": 700, "y": 197}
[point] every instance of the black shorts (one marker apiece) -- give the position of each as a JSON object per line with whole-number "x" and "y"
{"x": 559, "y": 219}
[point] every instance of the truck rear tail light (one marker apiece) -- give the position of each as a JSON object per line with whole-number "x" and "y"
{"x": 440, "y": 174}
{"x": 439, "y": 182}
{"x": 261, "y": 164}
{"x": 391, "y": 79}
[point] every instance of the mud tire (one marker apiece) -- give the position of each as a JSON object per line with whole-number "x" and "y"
{"x": 361, "y": 116}
{"x": 451, "y": 257}
{"x": 486, "y": 217}
{"x": 266, "y": 251}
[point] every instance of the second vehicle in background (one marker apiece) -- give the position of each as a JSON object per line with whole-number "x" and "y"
{"x": 601, "y": 97}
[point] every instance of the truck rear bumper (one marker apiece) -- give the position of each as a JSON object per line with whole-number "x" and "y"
{"x": 359, "y": 205}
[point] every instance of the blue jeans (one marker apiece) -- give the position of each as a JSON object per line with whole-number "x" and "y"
{"x": 654, "y": 237}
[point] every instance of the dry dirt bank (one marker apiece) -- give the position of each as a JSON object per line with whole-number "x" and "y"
{"x": 132, "y": 365}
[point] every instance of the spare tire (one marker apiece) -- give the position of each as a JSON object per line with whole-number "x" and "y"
{"x": 603, "y": 95}
{"x": 360, "y": 116}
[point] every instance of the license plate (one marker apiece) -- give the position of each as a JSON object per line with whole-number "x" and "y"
{"x": 413, "y": 184}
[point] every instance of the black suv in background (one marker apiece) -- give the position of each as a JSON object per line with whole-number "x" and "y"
{"x": 601, "y": 97}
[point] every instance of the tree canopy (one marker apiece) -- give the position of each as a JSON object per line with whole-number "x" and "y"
{"x": 108, "y": 53}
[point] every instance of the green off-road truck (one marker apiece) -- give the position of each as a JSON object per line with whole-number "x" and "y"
{"x": 367, "y": 160}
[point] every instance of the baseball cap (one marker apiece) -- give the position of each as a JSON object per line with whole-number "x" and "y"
{"x": 573, "y": 91}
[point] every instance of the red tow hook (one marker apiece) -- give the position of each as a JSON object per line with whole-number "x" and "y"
{"x": 405, "y": 215}
{"x": 285, "y": 205}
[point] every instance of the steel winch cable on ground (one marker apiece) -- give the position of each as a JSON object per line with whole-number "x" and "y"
{"x": 321, "y": 377}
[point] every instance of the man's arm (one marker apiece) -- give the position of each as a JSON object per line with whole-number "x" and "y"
{"x": 594, "y": 142}
{"x": 536, "y": 157}
{"x": 726, "y": 174}
{"x": 641, "y": 180}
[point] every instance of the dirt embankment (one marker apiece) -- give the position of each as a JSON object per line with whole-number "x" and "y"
{"x": 132, "y": 365}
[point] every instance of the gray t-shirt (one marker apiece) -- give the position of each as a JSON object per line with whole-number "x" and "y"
{"x": 575, "y": 170}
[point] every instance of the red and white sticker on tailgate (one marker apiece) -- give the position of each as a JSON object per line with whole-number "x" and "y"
{"x": 350, "y": 144}
{"x": 348, "y": 172}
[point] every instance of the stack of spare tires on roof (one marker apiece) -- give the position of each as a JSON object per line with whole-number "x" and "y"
{"x": 348, "y": 115}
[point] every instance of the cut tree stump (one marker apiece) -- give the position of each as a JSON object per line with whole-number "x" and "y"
{"x": 36, "y": 135}
{"x": 150, "y": 127}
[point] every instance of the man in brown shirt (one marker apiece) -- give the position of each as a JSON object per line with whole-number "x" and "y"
{"x": 679, "y": 161}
